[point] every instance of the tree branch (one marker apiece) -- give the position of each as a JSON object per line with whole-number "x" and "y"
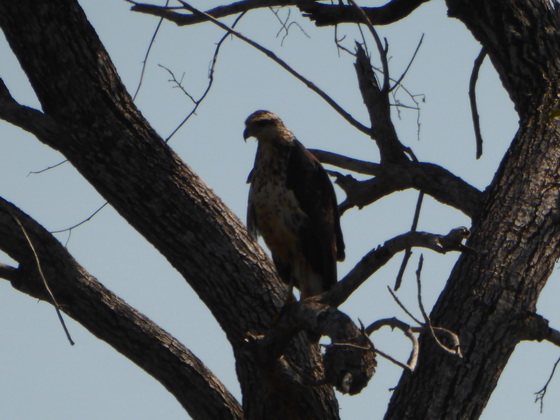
{"x": 472, "y": 99}
{"x": 8, "y": 272}
{"x": 327, "y": 15}
{"x": 376, "y": 100}
{"x": 377, "y": 258}
{"x": 29, "y": 119}
{"x": 108, "y": 317}
{"x": 349, "y": 362}
{"x": 429, "y": 178}
{"x": 218, "y": 12}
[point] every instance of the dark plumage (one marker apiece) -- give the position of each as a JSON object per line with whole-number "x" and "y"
{"x": 292, "y": 204}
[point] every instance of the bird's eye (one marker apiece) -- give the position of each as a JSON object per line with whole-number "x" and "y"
{"x": 262, "y": 123}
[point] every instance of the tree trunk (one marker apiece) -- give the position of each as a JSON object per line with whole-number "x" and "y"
{"x": 491, "y": 295}
{"x": 90, "y": 118}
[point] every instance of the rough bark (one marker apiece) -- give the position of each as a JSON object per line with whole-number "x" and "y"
{"x": 490, "y": 295}
{"x": 93, "y": 122}
{"x": 42, "y": 259}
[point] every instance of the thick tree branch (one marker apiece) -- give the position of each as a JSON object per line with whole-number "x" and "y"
{"x": 376, "y": 99}
{"x": 29, "y": 119}
{"x": 327, "y": 14}
{"x": 108, "y": 317}
{"x": 429, "y": 178}
{"x": 536, "y": 328}
{"x": 349, "y": 362}
{"x": 120, "y": 154}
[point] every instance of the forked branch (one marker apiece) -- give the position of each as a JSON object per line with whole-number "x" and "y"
{"x": 108, "y": 317}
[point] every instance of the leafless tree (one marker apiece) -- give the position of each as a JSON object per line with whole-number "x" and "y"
{"x": 488, "y": 304}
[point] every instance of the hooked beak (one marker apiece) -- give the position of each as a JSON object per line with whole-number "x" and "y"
{"x": 246, "y": 134}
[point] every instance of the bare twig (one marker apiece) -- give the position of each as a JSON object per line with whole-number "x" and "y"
{"x": 472, "y": 98}
{"x": 45, "y": 283}
{"x": 178, "y": 83}
{"x": 285, "y": 66}
{"x": 406, "y": 311}
{"x": 285, "y": 25}
{"x": 456, "y": 349}
{"x": 408, "y": 331}
{"x": 398, "y": 82}
{"x": 199, "y": 101}
{"x": 539, "y": 395}
{"x": 145, "y": 62}
{"x": 47, "y": 168}
{"x": 82, "y": 222}
{"x": 380, "y": 48}
{"x": 408, "y": 252}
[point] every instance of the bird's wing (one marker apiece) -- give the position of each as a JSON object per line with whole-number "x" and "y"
{"x": 321, "y": 237}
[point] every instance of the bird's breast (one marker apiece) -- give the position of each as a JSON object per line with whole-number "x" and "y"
{"x": 278, "y": 215}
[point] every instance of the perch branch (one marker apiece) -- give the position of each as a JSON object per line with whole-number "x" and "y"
{"x": 349, "y": 361}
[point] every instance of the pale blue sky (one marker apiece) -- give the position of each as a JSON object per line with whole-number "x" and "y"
{"x": 43, "y": 377}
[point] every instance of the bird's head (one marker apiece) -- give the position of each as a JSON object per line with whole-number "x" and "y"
{"x": 263, "y": 125}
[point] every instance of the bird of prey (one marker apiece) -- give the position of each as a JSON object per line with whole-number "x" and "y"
{"x": 292, "y": 204}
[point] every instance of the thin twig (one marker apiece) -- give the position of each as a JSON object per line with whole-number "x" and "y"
{"x": 285, "y": 66}
{"x": 145, "y": 62}
{"x": 403, "y": 307}
{"x": 48, "y": 289}
{"x": 408, "y": 330}
{"x": 210, "y": 80}
{"x": 427, "y": 321}
{"x": 285, "y": 25}
{"x": 47, "y": 168}
{"x": 539, "y": 395}
{"x": 82, "y": 222}
{"x": 398, "y": 82}
{"x": 408, "y": 252}
{"x": 393, "y": 360}
{"x": 178, "y": 83}
{"x": 472, "y": 98}
{"x": 382, "y": 50}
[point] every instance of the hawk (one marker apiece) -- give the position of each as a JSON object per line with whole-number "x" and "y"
{"x": 293, "y": 206}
